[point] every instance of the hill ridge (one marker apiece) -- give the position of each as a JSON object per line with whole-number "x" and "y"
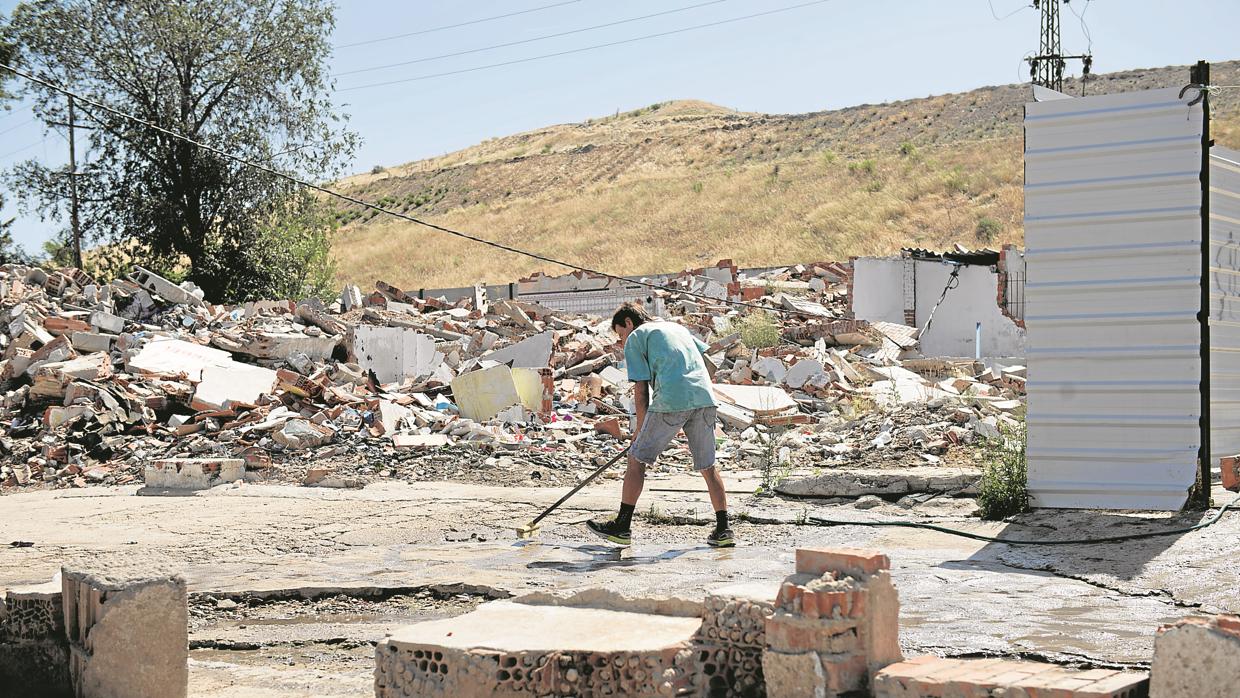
{"x": 685, "y": 182}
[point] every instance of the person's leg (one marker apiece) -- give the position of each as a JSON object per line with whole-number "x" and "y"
{"x": 634, "y": 481}
{"x": 700, "y": 431}
{"x": 656, "y": 433}
{"x": 714, "y": 486}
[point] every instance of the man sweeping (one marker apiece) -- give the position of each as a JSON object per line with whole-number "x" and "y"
{"x": 672, "y": 389}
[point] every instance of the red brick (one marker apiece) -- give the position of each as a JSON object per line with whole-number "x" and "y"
{"x": 1230, "y": 465}
{"x": 809, "y": 604}
{"x": 857, "y": 604}
{"x": 853, "y": 561}
{"x": 1228, "y": 624}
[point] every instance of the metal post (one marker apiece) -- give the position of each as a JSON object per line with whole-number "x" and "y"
{"x": 1200, "y": 75}
{"x": 73, "y": 191}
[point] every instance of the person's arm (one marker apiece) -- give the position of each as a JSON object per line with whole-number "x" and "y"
{"x": 640, "y": 374}
{"x": 702, "y": 349}
{"x": 641, "y": 398}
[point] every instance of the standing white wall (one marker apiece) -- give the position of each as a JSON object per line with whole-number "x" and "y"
{"x": 1113, "y": 248}
{"x": 976, "y": 299}
{"x": 878, "y": 289}
{"x": 1224, "y": 303}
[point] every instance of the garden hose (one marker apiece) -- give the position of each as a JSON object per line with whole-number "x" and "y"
{"x": 991, "y": 539}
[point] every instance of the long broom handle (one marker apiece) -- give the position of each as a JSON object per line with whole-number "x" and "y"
{"x": 583, "y": 483}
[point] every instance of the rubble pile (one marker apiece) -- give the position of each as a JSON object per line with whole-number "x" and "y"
{"x": 97, "y": 380}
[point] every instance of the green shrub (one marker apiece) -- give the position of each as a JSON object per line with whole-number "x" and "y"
{"x": 772, "y": 470}
{"x": 863, "y": 167}
{"x": 758, "y": 329}
{"x": 907, "y": 149}
{"x": 988, "y": 229}
{"x": 956, "y": 181}
{"x": 697, "y": 187}
{"x": 1003, "y": 490}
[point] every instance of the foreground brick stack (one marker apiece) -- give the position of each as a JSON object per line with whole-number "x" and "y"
{"x": 34, "y": 657}
{"x": 932, "y": 677}
{"x": 1197, "y": 658}
{"x": 836, "y": 623}
{"x": 729, "y": 646}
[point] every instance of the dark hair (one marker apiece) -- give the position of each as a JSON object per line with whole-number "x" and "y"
{"x": 629, "y": 311}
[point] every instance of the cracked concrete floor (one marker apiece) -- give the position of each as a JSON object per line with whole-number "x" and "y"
{"x": 1093, "y": 604}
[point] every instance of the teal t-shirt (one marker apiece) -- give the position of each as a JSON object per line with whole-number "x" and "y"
{"x": 665, "y": 354}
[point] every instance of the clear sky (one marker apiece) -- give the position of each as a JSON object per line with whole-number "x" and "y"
{"x": 834, "y": 53}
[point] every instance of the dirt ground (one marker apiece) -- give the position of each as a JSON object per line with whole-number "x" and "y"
{"x": 291, "y": 587}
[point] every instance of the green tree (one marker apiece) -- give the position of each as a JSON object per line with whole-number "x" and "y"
{"x": 9, "y": 251}
{"x": 245, "y": 76}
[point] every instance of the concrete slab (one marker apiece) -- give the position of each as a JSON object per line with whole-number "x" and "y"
{"x": 531, "y": 352}
{"x": 521, "y": 650}
{"x": 514, "y": 627}
{"x": 857, "y": 482}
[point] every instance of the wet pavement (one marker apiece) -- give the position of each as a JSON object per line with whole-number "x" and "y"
{"x": 1095, "y": 605}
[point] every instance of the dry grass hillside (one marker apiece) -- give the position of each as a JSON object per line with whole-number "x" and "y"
{"x": 685, "y": 183}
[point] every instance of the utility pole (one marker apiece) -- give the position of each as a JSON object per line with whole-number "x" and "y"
{"x": 74, "y": 221}
{"x": 73, "y": 191}
{"x": 1046, "y": 68}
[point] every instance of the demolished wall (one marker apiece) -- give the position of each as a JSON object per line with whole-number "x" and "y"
{"x": 881, "y": 293}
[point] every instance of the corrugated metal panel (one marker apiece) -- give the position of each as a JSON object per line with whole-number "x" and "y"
{"x": 1113, "y": 238}
{"x": 1224, "y": 303}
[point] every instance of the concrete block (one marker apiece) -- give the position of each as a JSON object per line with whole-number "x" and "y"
{"x": 193, "y": 473}
{"x": 128, "y": 635}
{"x": 157, "y": 284}
{"x": 232, "y": 382}
{"x": 87, "y": 342}
{"x": 104, "y": 321}
{"x": 1197, "y": 657}
{"x": 793, "y": 675}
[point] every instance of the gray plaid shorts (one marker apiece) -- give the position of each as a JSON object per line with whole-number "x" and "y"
{"x": 661, "y": 427}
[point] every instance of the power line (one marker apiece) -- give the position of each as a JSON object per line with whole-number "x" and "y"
{"x": 24, "y": 147}
{"x": 528, "y": 41}
{"x": 14, "y": 128}
{"x": 1013, "y": 12}
{"x": 16, "y": 111}
{"x": 584, "y": 48}
{"x": 1084, "y": 26}
{"x": 375, "y": 207}
{"x": 454, "y": 26}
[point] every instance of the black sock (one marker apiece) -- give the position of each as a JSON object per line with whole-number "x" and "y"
{"x": 625, "y": 518}
{"x": 721, "y": 520}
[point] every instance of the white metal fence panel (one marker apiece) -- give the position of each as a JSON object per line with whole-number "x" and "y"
{"x": 1113, "y": 238}
{"x": 1224, "y": 303}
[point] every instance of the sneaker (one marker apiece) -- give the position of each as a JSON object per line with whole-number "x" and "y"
{"x": 611, "y": 532}
{"x": 721, "y": 538}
